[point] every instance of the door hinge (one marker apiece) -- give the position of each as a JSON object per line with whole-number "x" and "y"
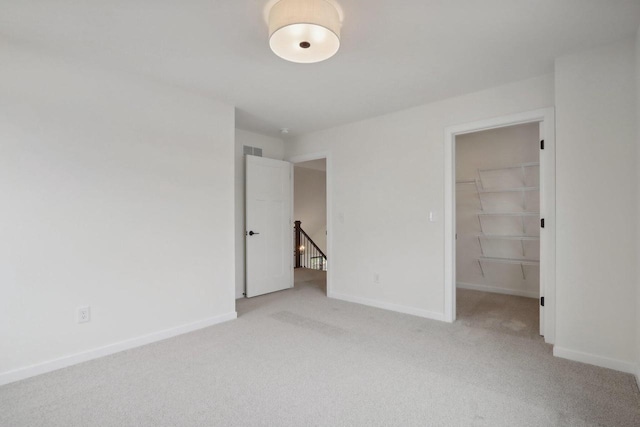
{"x": 542, "y": 301}
{"x": 541, "y": 222}
{"x": 542, "y": 144}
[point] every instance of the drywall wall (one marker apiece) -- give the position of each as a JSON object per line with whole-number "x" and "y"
{"x": 388, "y": 174}
{"x": 596, "y": 216}
{"x": 118, "y": 195}
{"x": 272, "y": 148}
{"x": 480, "y": 161}
{"x": 310, "y": 203}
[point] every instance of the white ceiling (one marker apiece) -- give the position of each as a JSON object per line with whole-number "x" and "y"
{"x": 395, "y": 53}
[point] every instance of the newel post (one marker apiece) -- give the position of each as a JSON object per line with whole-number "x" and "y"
{"x": 298, "y": 255}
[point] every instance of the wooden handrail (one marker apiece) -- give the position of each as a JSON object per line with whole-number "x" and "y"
{"x": 313, "y": 243}
{"x": 301, "y": 235}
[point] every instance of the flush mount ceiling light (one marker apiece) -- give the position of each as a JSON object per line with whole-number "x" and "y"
{"x": 304, "y": 31}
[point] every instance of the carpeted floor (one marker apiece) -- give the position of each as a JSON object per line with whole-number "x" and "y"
{"x": 297, "y": 358}
{"x": 506, "y": 314}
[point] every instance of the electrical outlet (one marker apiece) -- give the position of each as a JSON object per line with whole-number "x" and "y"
{"x": 84, "y": 314}
{"x": 376, "y": 278}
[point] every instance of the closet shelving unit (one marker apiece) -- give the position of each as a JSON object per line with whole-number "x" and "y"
{"x": 519, "y": 187}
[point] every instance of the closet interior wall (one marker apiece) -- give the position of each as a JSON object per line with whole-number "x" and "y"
{"x": 497, "y": 210}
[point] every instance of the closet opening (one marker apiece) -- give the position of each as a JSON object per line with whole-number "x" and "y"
{"x": 498, "y": 222}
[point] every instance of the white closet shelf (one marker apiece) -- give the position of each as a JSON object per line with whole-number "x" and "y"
{"x": 511, "y": 261}
{"x": 505, "y": 237}
{"x": 514, "y": 261}
{"x": 520, "y": 187}
{"x": 522, "y": 165}
{"x": 508, "y": 213}
{"x": 508, "y": 190}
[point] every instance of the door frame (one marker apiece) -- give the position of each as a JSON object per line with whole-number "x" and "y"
{"x": 546, "y": 117}
{"x": 316, "y": 156}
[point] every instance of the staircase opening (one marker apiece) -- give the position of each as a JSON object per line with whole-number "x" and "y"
{"x": 307, "y": 254}
{"x": 310, "y": 223}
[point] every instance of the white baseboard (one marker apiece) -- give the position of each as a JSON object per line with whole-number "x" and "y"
{"x": 63, "y": 362}
{"x": 594, "y": 359}
{"x": 498, "y": 290}
{"x": 389, "y": 306}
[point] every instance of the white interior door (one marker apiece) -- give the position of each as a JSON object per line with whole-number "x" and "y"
{"x": 269, "y": 230}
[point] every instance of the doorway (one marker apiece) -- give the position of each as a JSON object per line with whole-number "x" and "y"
{"x": 271, "y": 253}
{"x": 488, "y": 219}
{"x": 268, "y": 233}
{"x": 498, "y": 229}
{"x": 311, "y": 215}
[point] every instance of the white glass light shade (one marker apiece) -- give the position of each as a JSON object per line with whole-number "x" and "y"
{"x": 304, "y": 31}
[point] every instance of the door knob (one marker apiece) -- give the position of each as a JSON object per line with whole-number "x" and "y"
{"x": 251, "y": 233}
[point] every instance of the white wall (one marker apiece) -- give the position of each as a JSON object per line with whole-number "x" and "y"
{"x": 117, "y": 194}
{"x": 388, "y": 173}
{"x": 310, "y": 203}
{"x": 490, "y": 149}
{"x": 272, "y": 148}
{"x": 597, "y": 206}
{"x": 496, "y": 148}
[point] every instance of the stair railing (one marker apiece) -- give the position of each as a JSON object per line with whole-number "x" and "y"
{"x": 306, "y": 253}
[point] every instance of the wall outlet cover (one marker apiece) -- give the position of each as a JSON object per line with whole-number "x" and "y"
{"x": 84, "y": 314}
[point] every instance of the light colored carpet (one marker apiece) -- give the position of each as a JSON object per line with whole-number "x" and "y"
{"x": 505, "y": 314}
{"x": 297, "y": 358}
